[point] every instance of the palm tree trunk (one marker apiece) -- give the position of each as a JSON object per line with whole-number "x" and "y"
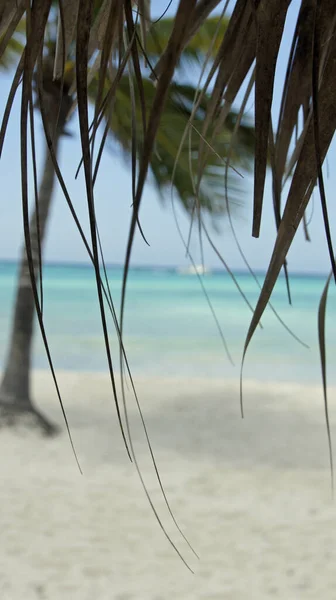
{"x": 15, "y": 392}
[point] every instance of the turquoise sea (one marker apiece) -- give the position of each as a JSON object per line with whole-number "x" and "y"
{"x": 169, "y": 328}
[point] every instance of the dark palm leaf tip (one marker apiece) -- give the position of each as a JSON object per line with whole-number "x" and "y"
{"x": 36, "y": 23}
{"x": 322, "y": 347}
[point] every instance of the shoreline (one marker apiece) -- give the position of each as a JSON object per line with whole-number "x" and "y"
{"x": 166, "y": 267}
{"x": 231, "y": 381}
{"x": 194, "y": 383}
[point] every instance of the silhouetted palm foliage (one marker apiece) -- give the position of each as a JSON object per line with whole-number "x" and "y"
{"x": 53, "y": 90}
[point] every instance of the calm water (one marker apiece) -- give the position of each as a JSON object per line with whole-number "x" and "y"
{"x": 169, "y": 329}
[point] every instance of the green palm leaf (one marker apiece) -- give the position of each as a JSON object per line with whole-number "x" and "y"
{"x": 177, "y": 113}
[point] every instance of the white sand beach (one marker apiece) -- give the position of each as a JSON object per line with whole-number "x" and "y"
{"x": 253, "y": 496}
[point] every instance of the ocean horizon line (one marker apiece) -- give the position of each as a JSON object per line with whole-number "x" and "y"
{"x": 163, "y": 268}
{"x": 158, "y": 267}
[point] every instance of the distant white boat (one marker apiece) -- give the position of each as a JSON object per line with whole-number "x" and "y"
{"x": 193, "y": 270}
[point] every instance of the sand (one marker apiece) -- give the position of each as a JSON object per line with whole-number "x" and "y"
{"x": 253, "y": 496}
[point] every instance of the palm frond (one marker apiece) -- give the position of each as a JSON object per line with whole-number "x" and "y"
{"x": 210, "y": 33}
{"x": 176, "y": 115}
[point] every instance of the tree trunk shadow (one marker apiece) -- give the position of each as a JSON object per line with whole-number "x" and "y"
{"x": 14, "y": 415}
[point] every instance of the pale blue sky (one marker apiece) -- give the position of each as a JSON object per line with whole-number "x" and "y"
{"x": 113, "y": 198}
